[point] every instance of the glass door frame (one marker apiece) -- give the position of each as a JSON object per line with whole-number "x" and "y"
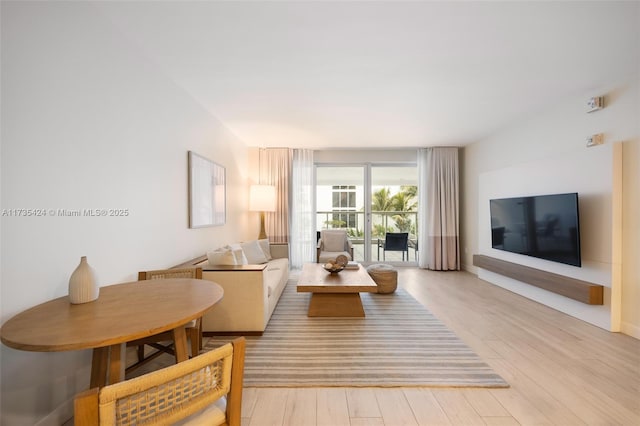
{"x": 367, "y": 188}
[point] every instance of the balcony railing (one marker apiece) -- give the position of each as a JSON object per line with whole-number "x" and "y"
{"x": 381, "y": 223}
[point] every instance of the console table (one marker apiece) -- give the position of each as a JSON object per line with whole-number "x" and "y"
{"x": 582, "y": 291}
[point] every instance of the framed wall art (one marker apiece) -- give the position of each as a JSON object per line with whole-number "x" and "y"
{"x": 207, "y": 192}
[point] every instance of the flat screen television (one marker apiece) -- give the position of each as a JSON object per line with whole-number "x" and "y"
{"x": 542, "y": 226}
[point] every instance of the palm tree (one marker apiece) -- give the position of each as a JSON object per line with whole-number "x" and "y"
{"x": 411, "y": 190}
{"x": 404, "y": 201}
{"x": 381, "y": 200}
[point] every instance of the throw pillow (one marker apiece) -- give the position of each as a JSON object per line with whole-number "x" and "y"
{"x": 266, "y": 248}
{"x": 241, "y": 259}
{"x": 253, "y": 252}
{"x": 333, "y": 241}
{"x": 221, "y": 257}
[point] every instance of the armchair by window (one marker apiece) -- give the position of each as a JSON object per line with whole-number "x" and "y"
{"x": 394, "y": 241}
{"x": 333, "y": 243}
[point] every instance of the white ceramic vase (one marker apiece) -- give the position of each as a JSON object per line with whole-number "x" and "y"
{"x": 83, "y": 287}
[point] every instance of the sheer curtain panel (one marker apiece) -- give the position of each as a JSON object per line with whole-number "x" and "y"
{"x": 302, "y": 239}
{"x": 275, "y": 169}
{"x": 438, "y": 214}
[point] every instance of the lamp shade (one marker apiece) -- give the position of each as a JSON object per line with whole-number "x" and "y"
{"x": 262, "y": 198}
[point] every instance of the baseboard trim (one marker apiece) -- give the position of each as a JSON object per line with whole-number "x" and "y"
{"x": 61, "y": 415}
{"x": 630, "y": 330}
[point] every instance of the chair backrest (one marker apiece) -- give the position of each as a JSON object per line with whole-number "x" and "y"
{"x": 334, "y": 239}
{"x": 396, "y": 241}
{"x": 170, "y": 273}
{"x": 171, "y": 394}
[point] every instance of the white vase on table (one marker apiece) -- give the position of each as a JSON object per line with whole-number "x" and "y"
{"x": 83, "y": 287}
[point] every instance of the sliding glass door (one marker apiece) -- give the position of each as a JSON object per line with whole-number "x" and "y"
{"x": 340, "y": 201}
{"x": 394, "y": 213}
{"x": 370, "y": 201}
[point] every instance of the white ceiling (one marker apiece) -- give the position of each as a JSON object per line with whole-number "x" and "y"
{"x": 381, "y": 74}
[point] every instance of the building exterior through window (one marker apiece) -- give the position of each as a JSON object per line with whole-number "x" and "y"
{"x": 344, "y": 206}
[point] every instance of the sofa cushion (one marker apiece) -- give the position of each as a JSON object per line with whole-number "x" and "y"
{"x": 253, "y": 252}
{"x": 238, "y": 253}
{"x": 326, "y": 256}
{"x": 276, "y": 272}
{"x": 266, "y": 248}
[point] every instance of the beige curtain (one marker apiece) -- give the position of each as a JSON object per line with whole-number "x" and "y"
{"x": 275, "y": 169}
{"x": 438, "y": 214}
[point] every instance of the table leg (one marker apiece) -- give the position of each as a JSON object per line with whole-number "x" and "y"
{"x": 99, "y": 367}
{"x": 116, "y": 363}
{"x": 335, "y": 305}
{"x": 180, "y": 342}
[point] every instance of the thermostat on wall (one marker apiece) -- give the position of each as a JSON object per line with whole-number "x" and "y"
{"x": 595, "y": 103}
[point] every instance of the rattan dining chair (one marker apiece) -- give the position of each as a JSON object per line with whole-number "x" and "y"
{"x": 205, "y": 390}
{"x": 193, "y": 329}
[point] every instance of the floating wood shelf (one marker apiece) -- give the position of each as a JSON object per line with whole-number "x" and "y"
{"x": 582, "y": 291}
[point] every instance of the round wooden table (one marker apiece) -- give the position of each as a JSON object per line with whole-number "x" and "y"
{"x": 123, "y": 313}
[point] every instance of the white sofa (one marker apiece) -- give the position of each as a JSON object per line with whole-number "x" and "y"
{"x": 251, "y": 293}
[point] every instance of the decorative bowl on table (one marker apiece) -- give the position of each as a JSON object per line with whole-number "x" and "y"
{"x": 337, "y": 265}
{"x": 333, "y": 268}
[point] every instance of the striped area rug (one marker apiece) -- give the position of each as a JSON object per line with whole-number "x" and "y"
{"x": 398, "y": 343}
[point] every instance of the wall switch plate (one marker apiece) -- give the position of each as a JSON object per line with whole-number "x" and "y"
{"x": 595, "y": 140}
{"x": 595, "y": 104}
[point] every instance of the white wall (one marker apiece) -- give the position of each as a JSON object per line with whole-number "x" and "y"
{"x": 585, "y": 171}
{"x": 351, "y": 156}
{"x": 88, "y": 122}
{"x": 546, "y": 153}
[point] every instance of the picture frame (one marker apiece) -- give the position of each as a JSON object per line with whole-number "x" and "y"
{"x": 207, "y": 192}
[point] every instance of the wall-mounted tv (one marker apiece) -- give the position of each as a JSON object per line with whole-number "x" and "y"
{"x": 543, "y": 226}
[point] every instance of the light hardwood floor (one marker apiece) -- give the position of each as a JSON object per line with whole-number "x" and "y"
{"x": 562, "y": 371}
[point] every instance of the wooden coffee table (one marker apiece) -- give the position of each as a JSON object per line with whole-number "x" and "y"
{"x": 335, "y": 295}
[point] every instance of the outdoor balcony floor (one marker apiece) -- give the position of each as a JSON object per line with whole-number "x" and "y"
{"x": 389, "y": 256}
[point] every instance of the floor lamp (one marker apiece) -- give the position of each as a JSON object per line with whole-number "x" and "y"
{"x": 262, "y": 198}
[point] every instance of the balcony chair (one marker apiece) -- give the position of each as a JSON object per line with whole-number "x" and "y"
{"x": 193, "y": 329}
{"x": 394, "y": 241}
{"x": 206, "y": 389}
{"x": 333, "y": 243}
